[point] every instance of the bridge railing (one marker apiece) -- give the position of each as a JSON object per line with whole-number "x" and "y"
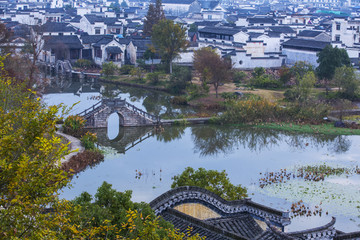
{"x": 92, "y": 108}
{"x": 142, "y": 112}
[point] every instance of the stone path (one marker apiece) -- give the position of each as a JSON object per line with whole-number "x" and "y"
{"x": 75, "y": 146}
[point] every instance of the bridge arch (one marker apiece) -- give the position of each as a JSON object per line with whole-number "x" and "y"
{"x": 129, "y": 115}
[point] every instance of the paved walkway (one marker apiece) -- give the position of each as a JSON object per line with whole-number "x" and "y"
{"x": 75, "y": 146}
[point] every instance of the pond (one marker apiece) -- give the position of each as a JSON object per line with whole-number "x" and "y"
{"x": 144, "y": 160}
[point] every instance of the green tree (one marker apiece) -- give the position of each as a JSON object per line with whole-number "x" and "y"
{"x": 299, "y": 70}
{"x": 212, "y": 180}
{"x": 109, "y": 68}
{"x": 153, "y": 17}
{"x": 193, "y": 27}
{"x": 129, "y": 219}
{"x": 212, "y": 67}
{"x": 170, "y": 39}
{"x": 179, "y": 79}
{"x": 150, "y": 53}
{"x": 329, "y": 59}
{"x": 347, "y": 82}
{"x": 305, "y": 86}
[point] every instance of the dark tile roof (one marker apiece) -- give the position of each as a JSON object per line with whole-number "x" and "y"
{"x": 94, "y": 38}
{"x": 72, "y": 42}
{"x": 176, "y": 1}
{"x": 219, "y": 30}
{"x": 207, "y": 23}
{"x": 254, "y": 34}
{"x": 93, "y": 18}
{"x": 260, "y": 20}
{"x": 309, "y": 33}
{"x": 76, "y": 19}
{"x": 209, "y": 4}
{"x": 241, "y": 224}
{"x": 113, "y": 50}
{"x": 182, "y": 221}
{"x": 304, "y": 44}
{"x": 282, "y": 29}
{"x": 103, "y": 41}
{"x": 56, "y": 27}
{"x": 55, "y": 10}
{"x": 142, "y": 44}
{"x": 273, "y": 34}
{"x": 110, "y": 21}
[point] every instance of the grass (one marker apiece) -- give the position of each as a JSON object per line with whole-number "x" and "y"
{"x": 326, "y": 128}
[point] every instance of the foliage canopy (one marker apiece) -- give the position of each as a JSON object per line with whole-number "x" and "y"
{"x": 212, "y": 180}
{"x": 170, "y": 39}
{"x": 329, "y": 59}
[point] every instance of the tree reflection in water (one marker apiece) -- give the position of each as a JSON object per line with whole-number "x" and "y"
{"x": 213, "y": 140}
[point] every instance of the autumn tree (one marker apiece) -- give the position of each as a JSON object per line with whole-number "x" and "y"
{"x": 170, "y": 39}
{"x": 153, "y": 17}
{"x": 212, "y": 180}
{"x": 212, "y": 67}
{"x": 30, "y": 174}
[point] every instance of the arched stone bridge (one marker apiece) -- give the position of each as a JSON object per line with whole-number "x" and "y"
{"x": 129, "y": 115}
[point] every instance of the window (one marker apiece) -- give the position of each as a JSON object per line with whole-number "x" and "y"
{"x": 61, "y": 34}
{"x": 240, "y": 62}
{"x": 338, "y": 26}
{"x": 209, "y": 17}
{"x": 97, "y": 30}
{"x": 337, "y": 38}
{"x": 98, "y": 53}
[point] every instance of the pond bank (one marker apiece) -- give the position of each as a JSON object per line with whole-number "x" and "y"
{"x": 325, "y": 128}
{"x": 75, "y": 146}
{"x": 134, "y": 85}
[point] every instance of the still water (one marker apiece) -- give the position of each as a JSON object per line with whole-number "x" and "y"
{"x": 144, "y": 161}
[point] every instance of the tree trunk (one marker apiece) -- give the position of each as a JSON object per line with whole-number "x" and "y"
{"x": 171, "y": 67}
{"x": 216, "y": 90}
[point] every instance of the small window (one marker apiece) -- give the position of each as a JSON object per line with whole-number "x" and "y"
{"x": 97, "y": 30}
{"x": 61, "y": 34}
{"x": 240, "y": 62}
{"x": 337, "y": 38}
{"x": 337, "y": 26}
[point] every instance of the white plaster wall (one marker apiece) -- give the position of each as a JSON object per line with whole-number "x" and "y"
{"x": 250, "y": 63}
{"x": 294, "y": 56}
{"x": 241, "y": 37}
{"x": 256, "y": 49}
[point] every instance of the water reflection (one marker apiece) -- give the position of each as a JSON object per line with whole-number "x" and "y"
{"x": 213, "y": 140}
{"x": 127, "y": 138}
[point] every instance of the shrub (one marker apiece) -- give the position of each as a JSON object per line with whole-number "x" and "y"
{"x": 138, "y": 73}
{"x": 126, "y": 69}
{"x": 153, "y": 78}
{"x": 74, "y": 125}
{"x": 265, "y": 81}
{"x": 238, "y": 77}
{"x": 258, "y": 72}
{"x": 179, "y": 100}
{"x": 82, "y": 160}
{"x": 179, "y": 79}
{"x": 290, "y": 95}
{"x": 228, "y": 95}
{"x": 84, "y": 63}
{"x": 195, "y": 91}
{"x": 88, "y": 141}
{"x": 109, "y": 68}
{"x": 251, "y": 111}
{"x": 313, "y": 112}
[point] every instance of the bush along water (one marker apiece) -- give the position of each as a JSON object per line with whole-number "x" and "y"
{"x": 74, "y": 125}
{"x": 88, "y": 140}
{"x": 255, "y": 110}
